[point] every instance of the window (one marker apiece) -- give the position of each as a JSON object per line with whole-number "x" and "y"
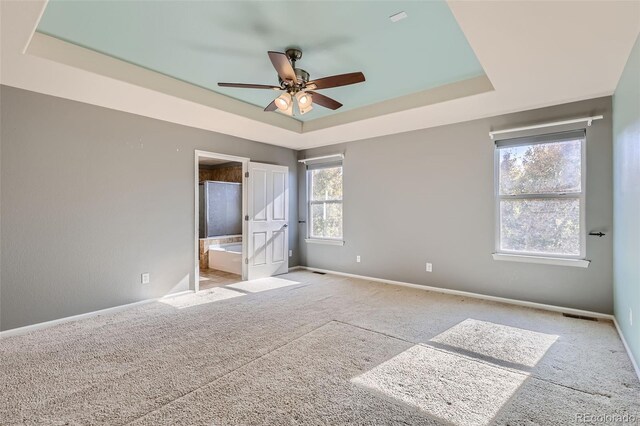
{"x": 540, "y": 196}
{"x": 325, "y": 201}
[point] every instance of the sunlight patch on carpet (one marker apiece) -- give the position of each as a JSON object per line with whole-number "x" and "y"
{"x": 263, "y": 284}
{"x": 446, "y": 386}
{"x": 206, "y": 296}
{"x": 501, "y": 342}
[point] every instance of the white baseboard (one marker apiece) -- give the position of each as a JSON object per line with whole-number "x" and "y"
{"x": 524, "y": 303}
{"x": 296, "y": 268}
{"x": 627, "y": 348}
{"x": 47, "y": 324}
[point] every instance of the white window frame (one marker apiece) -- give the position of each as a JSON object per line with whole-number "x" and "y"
{"x": 534, "y": 257}
{"x": 323, "y": 240}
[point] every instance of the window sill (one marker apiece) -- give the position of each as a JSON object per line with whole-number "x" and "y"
{"x": 324, "y": 241}
{"x": 578, "y": 263}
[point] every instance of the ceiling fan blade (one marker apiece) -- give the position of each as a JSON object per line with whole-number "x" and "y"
{"x": 272, "y": 106}
{"x": 336, "y": 81}
{"x": 324, "y": 101}
{"x": 249, "y": 86}
{"x": 281, "y": 63}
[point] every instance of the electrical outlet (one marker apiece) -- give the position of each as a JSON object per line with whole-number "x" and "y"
{"x": 290, "y": 253}
{"x": 146, "y": 278}
{"x": 358, "y": 259}
{"x": 429, "y": 267}
{"x": 630, "y": 316}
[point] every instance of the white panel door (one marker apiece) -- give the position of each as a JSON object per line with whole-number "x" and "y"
{"x": 268, "y": 227}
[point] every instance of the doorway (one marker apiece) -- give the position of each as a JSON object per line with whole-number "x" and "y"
{"x": 220, "y": 208}
{"x": 241, "y": 219}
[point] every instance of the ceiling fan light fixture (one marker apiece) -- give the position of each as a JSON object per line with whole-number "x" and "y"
{"x": 304, "y": 98}
{"x": 305, "y": 109}
{"x": 305, "y": 102}
{"x": 283, "y": 102}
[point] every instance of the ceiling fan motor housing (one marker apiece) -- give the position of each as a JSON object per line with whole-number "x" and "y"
{"x": 301, "y": 75}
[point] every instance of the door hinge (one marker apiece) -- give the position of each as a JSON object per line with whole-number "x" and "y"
{"x": 246, "y": 217}
{"x": 246, "y": 260}
{"x": 246, "y": 174}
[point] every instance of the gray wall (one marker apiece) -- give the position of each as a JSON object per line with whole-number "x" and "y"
{"x": 626, "y": 205}
{"x": 427, "y": 196}
{"x": 91, "y": 198}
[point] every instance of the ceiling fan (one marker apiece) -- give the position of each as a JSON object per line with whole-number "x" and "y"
{"x": 297, "y": 87}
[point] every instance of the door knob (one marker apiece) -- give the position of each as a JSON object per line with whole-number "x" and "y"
{"x": 285, "y": 226}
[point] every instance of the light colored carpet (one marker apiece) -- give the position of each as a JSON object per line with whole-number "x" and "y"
{"x": 312, "y": 349}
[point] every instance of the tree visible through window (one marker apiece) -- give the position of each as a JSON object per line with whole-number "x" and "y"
{"x": 325, "y": 202}
{"x": 540, "y": 195}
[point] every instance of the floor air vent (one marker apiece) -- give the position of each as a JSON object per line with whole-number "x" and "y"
{"x": 582, "y": 317}
{"x": 319, "y": 273}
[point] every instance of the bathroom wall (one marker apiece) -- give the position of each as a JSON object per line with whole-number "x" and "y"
{"x": 222, "y": 173}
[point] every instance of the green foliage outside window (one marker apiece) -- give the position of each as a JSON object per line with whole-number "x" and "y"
{"x": 540, "y": 187}
{"x": 325, "y": 204}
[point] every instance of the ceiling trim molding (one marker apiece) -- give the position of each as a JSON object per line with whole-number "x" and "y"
{"x": 58, "y": 50}
{"x": 447, "y": 92}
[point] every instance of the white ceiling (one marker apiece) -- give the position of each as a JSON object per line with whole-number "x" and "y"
{"x": 536, "y": 54}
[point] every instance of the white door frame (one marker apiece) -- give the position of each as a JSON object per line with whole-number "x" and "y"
{"x": 245, "y": 197}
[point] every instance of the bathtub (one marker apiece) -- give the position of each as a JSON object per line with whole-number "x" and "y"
{"x": 226, "y": 257}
